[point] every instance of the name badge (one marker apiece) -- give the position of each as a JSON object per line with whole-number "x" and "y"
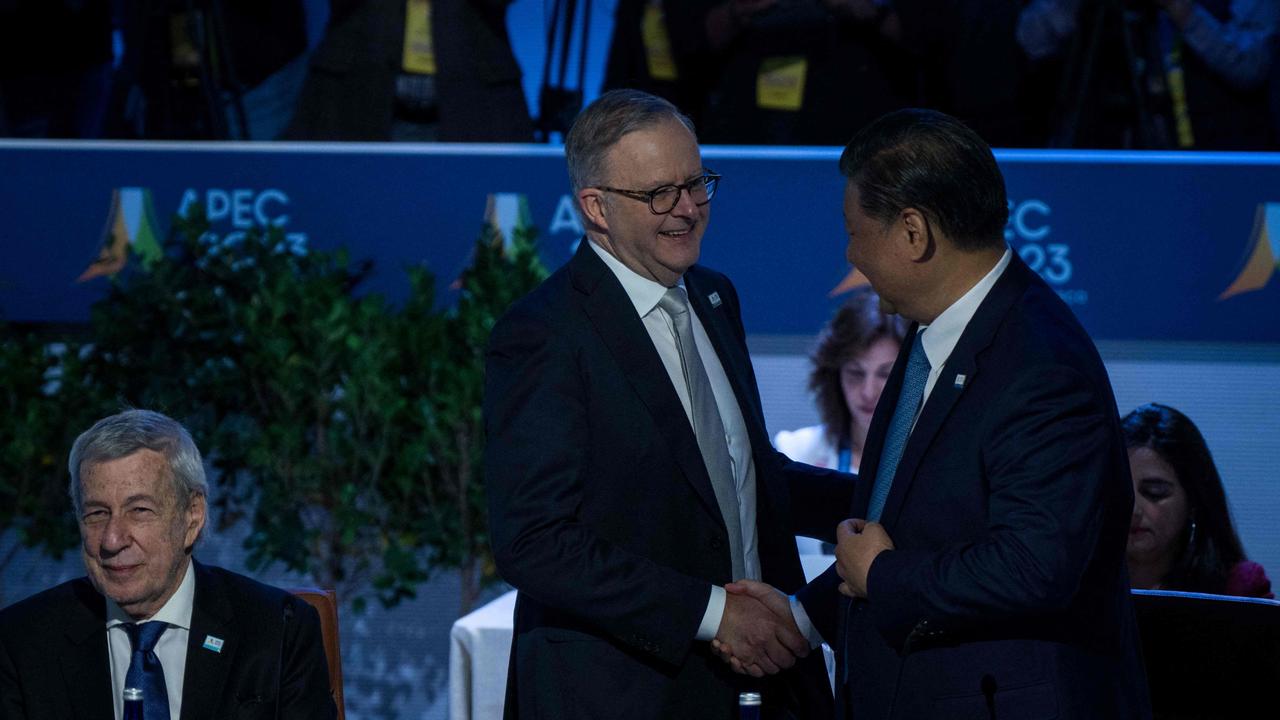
{"x": 419, "y": 50}
{"x": 780, "y": 84}
{"x": 657, "y": 43}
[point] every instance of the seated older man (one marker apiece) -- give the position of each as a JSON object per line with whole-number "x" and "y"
{"x": 198, "y": 641}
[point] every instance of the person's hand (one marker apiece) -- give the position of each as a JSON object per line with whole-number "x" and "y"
{"x": 757, "y": 635}
{"x": 858, "y": 543}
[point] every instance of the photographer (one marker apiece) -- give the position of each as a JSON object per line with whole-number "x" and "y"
{"x": 1216, "y": 57}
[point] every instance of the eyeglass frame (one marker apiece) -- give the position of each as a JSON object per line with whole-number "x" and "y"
{"x": 708, "y": 178}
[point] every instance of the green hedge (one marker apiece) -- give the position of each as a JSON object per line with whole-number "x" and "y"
{"x": 344, "y": 429}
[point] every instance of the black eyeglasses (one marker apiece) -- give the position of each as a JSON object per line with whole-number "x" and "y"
{"x": 663, "y": 200}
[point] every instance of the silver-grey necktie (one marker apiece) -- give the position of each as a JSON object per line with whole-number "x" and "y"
{"x": 707, "y": 425}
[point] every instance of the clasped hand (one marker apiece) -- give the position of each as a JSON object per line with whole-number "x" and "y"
{"x": 858, "y": 543}
{"x": 757, "y": 635}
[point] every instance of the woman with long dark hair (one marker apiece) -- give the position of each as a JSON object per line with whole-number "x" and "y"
{"x": 1181, "y": 536}
{"x": 854, "y": 355}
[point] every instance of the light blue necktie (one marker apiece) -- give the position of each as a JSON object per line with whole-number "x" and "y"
{"x": 145, "y": 672}
{"x": 904, "y": 415}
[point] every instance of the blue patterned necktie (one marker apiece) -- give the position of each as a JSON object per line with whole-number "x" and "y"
{"x": 904, "y": 415}
{"x": 145, "y": 672}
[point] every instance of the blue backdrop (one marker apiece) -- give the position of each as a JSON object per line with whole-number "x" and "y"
{"x": 1141, "y": 245}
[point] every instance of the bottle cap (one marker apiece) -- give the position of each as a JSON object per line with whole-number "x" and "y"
{"x": 132, "y": 694}
{"x": 748, "y": 698}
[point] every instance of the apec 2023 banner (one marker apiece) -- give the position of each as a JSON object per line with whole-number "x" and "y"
{"x": 1177, "y": 247}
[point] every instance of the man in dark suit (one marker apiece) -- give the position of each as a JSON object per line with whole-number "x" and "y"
{"x": 361, "y": 84}
{"x": 984, "y": 566}
{"x": 201, "y": 642}
{"x": 628, "y": 470}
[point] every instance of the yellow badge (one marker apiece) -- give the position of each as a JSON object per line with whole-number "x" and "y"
{"x": 419, "y": 50}
{"x": 657, "y": 43}
{"x": 1177, "y": 83}
{"x": 780, "y": 84}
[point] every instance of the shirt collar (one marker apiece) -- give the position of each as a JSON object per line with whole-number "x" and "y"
{"x": 643, "y": 292}
{"x": 945, "y": 330}
{"x": 176, "y": 612}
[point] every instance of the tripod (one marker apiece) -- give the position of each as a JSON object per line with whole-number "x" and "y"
{"x": 218, "y": 82}
{"x": 1108, "y": 109}
{"x": 558, "y": 104}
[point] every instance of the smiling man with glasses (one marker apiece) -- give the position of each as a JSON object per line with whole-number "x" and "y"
{"x": 663, "y": 199}
{"x": 628, "y": 470}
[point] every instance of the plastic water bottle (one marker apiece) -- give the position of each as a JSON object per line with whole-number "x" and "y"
{"x": 749, "y": 706}
{"x": 132, "y": 704}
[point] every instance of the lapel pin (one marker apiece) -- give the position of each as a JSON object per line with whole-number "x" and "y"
{"x": 960, "y": 378}
{"x": 213, "y": 643}
{"x": 715, "y": 299}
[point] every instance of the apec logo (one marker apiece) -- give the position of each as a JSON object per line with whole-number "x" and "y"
{"x": 1262, "y": 254}
{"x": 233, "y": 212}
{"x": 132, "y": 226}
{"x": 565, "y": 218}
{"x": 1029, "y": 232}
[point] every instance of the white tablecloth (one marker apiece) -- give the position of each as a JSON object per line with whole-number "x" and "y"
{"x": 481, "y": 646}
{"x": 478, "y": 651}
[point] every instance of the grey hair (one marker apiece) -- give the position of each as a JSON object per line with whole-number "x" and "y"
{"x": 125, "y": 433}
{"x": 603, "y": 123}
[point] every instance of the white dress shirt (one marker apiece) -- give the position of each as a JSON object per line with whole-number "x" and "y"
{"x": 946, "y": 329}
{"x": 171, "y": 648}
{"x": 645, "y": 294}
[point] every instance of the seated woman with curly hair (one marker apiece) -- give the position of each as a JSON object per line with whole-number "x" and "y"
{"x": 1181, "y": 536}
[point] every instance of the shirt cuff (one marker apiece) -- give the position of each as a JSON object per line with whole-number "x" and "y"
{"x": 804, "y": 624}
{"x": 714, "y": 614}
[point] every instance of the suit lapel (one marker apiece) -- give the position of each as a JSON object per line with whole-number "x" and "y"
{"x": 207, "y": 671}
{"x": 770, "y": 491}
{"x": 614, "y": 318}
{"x": 963, "y": 361}
{"x": 86, "y": 667}
{"x": 737, "y": 366}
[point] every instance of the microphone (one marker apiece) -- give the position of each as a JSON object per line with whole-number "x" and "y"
{"x": 988, "y": 685}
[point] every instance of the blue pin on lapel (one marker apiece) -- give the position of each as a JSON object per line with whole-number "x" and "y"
{"x": 715, "y": 299}
{"x": 960, "y": 378}
{"x": 213, "y": 643}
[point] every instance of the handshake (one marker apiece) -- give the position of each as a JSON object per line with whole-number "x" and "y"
{"x": 758, "y": 634}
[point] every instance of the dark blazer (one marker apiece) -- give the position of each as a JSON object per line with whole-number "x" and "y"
{"x": 696, "y": 62}
{"x": 602, "y": 514}
{"x": 349, "y": 93}
{"x": 54, "y": 664}
{"x": 1007, "y": 593}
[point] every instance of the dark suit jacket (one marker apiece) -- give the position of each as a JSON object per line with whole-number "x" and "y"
{"x": 1007, "y": 594}
{"x": 54, "y": 665}
{"x": 628, "y": 64}
{"x": 349, "y": 93}
{"x": 602, "y": 513}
